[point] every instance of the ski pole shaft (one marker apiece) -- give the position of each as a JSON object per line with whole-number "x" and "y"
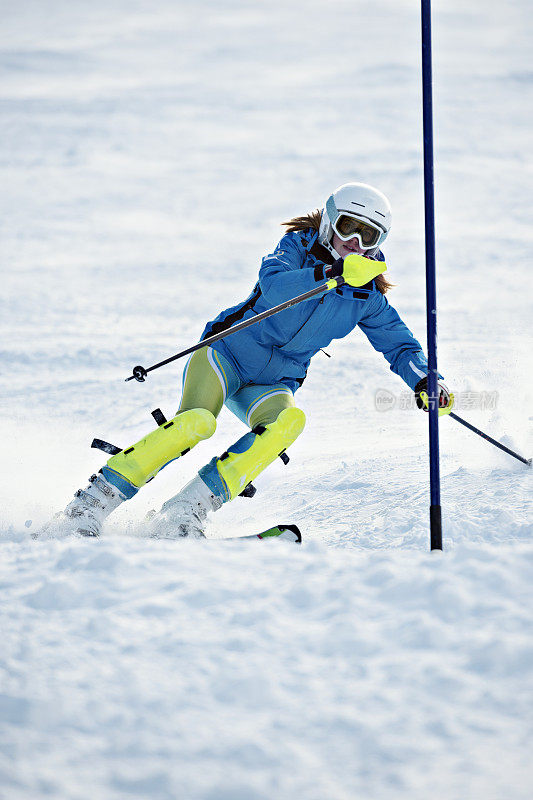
{"x": 490, "y": 439}
{"x": 140, "y": 373}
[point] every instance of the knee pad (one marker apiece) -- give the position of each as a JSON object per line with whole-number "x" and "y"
{"x": 229, "y": 475}
{"x": 138, "y": 464}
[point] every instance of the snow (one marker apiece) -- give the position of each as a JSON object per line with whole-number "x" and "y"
{"x": 149, "y": 153}
{"x": 242, "y": 671}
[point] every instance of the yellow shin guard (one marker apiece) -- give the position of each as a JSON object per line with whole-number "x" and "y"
{"x": 229, "y": 475}
{"x": 139, "y": 463}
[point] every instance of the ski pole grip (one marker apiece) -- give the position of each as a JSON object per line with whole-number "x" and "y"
{"x": 334, "y": 282}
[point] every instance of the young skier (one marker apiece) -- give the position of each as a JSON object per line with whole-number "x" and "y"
{"x": 256, "y": 372}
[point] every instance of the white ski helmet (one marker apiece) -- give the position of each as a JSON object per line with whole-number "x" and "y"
{"x": 354, "y": 203}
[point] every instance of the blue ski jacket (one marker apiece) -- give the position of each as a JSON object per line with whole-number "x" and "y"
{"x": 279, "y": 349}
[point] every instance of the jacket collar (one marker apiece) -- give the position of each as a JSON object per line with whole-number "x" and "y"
{"x": 319, "y": 251}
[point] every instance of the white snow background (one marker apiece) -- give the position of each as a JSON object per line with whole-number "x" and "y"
{"x": 149, "y": 152}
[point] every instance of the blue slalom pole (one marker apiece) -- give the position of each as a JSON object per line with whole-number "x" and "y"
{"x": 431, "y": 292}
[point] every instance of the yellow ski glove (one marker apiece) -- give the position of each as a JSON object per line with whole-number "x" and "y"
{"x": 446, "y": 398}
{"x": 356, "y": 270}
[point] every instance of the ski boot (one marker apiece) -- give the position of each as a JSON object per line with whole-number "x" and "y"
{"x": 92, "y": 505}
{"x": 185, "y": 514}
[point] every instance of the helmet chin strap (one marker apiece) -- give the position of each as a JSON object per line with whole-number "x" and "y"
{"x": 328, "y": 245}
{"x": 333, "y": 252}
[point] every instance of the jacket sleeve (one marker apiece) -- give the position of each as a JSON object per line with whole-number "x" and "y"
{"x": 389, "y": 335}
{"x": 282, "y": 274}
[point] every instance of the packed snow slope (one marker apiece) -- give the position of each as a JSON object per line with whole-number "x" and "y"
{"x": 149, "y": 153}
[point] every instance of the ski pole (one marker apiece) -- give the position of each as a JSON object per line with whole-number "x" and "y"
{"x": 490, "y": 439}
{"x": 140, "y": 373}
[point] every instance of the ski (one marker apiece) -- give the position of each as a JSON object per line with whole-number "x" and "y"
{"x": 290, "y": 533}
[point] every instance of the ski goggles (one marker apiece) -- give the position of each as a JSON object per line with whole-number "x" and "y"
{"x": 346, "y": 227}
